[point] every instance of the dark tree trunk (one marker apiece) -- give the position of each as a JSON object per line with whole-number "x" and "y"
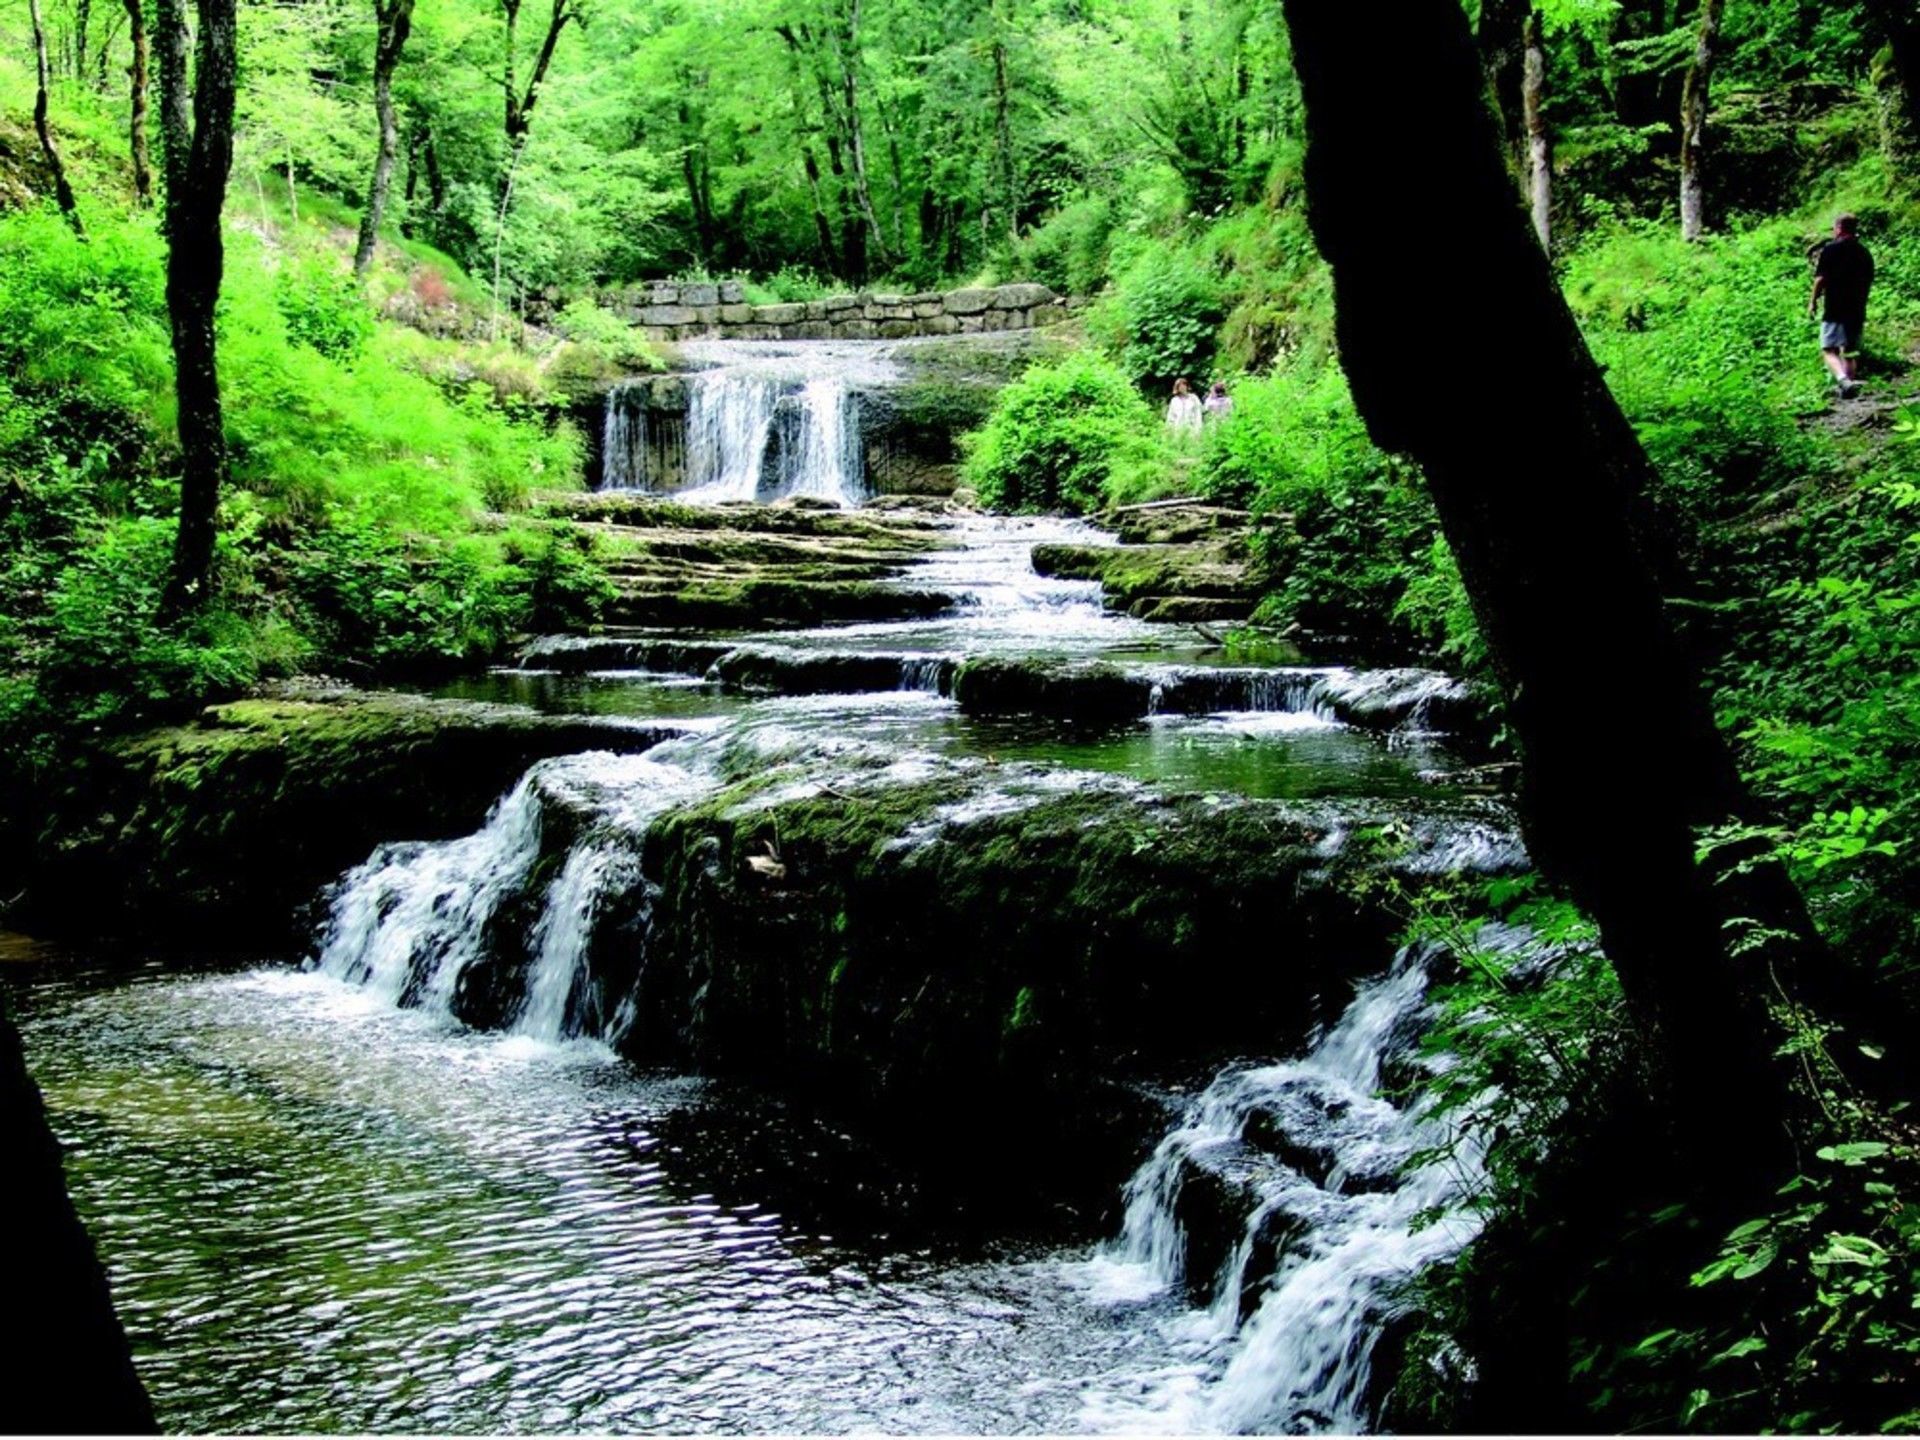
{"x": 65, "y": 1367}
{"x": 1501, "y": 36}
{"x": 1693, "y": 122}
{"x": 1900, "y": 26}
{"x": 1543, "y": 518}
{"x": 1533, "y": 104}
{"x": 197, "y": 138}
{"x": 62, "y": 191}
{"x": 137, "y": 95}
{"x": 394, "y": 20}
{"x": 1003, "y": 142}
{"x": 82, "y": 20}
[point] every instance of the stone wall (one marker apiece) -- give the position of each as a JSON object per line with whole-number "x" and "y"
{"x": 669, "y": 310}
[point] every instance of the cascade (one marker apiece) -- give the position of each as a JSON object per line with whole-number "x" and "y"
{"x": 763, "y": 423}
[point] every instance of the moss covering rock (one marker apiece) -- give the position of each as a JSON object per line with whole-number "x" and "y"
{"x": 219, "y": 831}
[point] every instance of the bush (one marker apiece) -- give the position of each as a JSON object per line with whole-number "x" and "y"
{"x": 1061, "y": 437}
{"x": 1069, "y": 252}
{"x": 322, "y": 307}
{"x": 1169, "y": 306}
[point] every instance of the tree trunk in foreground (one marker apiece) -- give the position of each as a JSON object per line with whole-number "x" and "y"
{"x": 64, "y": 1366}
{"x": 1621, "y": 758}
{"x": 1693, "y": 122}
{"x": 394, "y": 19}
{"x": 62, "y": 191}
{"x": 137, "y": 104}
{"x": 199, "y": 155}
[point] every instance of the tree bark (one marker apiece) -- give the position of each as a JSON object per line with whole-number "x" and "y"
{"x": 1545, "y": 534}
{"x": 137, "y": 108}
{"x": 1533, "y": 97}
{"x": 1900, "y": 25}
{"x": 1693, "y": 122}
{"x": 809, "y": 161}
{"x": 393, "y": 20}
{"x": 62, "y": 191}
{"x": 82, "y": 21}
{"x": 1502, "y": 39}
{"x": 197, "y": 140}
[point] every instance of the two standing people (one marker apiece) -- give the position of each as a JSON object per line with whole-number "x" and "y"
{"x": 1842, "y": 275}
{"x": 1186, "y": 412}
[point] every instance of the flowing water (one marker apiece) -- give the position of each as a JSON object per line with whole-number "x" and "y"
{"x": 763, "y": 422}
{"x": 327, "y": 1204}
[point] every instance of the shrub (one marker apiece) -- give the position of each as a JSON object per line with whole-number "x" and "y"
{"x": 1060, "y": 437}
{"x": 322, "y": 307}
{"x": 1169, "y": 306}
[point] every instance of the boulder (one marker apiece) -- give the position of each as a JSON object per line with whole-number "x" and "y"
{"x": 669, "y": 315}
{"x": 1021, "y": 297}
{"x": 778, "y": 314}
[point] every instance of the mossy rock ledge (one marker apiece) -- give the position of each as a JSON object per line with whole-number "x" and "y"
{"x": 220, "y": 831}
{"x": 982, "y": 951}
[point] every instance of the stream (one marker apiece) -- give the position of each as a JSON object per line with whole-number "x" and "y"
{"x": 327, "y": 1205}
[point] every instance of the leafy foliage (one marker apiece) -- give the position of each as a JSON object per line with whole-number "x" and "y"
{"x": 1061, "y": 437}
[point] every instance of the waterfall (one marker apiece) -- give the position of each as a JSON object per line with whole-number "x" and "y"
{"x": 1335, "y": 1225}
{"x": 416, "y": 924}
{"x": 763, "y": 423}
{"x": 623, "y": 440}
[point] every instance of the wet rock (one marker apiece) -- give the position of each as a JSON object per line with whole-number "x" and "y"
{"x": 1219, "y": 1192}
{"x": 1088, "y": 692}
{"x": 769, "y": 604}
{"x": 224, "y": 828}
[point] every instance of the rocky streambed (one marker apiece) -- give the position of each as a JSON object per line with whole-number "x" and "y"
{"x": 986, "y": 885}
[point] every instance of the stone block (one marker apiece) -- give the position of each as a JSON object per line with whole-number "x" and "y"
{"x": 657, "y": 334}
{"x": 926, "y": 297}
{"x": 816, "y": 309}
{"x": 778, "y": 314}
{"x": 811, "y": 330}
{"x": 668, "y": 315}
{"x": 698, "y": 295}
{"x": 663, "y": 292}
{"x": 927, "y": 309}
{"x": 968, "y": 302}
{"x": 896, "y": 312}
{"x": 734, "y": 330}
{"x": 732, "y": 292}
{"x": 970, "y": 324}
{"x": 1047, "y": 314}
{"x": 838, "y": 304}
{"x": 941, "y": 324}
{"x": 1021, "y": 297}
{"x": 896, "y": 329}
{"x": 759, "y": 332}
{"x": 732, "y": 314}
{"x": 854, "y": 329}
{"x": 997, "y": 320}
{"x": 709, "y": 314}
{"x": 874, "y": 312}
{"x": 887, "y": 298}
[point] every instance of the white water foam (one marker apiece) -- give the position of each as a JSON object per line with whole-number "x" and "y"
{"x": 1349, "y": 1236}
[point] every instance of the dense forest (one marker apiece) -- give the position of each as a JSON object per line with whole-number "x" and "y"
{"x": 308, "y": 309}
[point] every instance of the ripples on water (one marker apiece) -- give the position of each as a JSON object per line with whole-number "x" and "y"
{"x": 321, "y": 1214}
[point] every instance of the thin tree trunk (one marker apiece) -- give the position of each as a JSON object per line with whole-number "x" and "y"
{"x": 1003, "y": 142}
{"x": 137, "y": 96}
{"x": 1533, "y": 95}
{"x": 810, "y": 162}
{"x": 62, "y": 191}
{"x": 82, "y": 20}
{"x": 197, "y": 141}
{"x": 856, "y": 135}
{"x": 394, "y": 20}
{"x": 1555, "y": 572}
{"x": 1693, "y": 122}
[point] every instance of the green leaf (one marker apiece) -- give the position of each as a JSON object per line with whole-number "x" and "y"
{"x": 1854, "y": 1152}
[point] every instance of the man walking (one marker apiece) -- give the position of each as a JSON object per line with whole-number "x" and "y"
{"x": 1842, "y": 273}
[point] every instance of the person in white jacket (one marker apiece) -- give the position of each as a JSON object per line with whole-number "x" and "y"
{"x": 1183, "y": 410}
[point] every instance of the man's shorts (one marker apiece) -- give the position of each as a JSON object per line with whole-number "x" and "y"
{"x": 1839, "y": 335}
